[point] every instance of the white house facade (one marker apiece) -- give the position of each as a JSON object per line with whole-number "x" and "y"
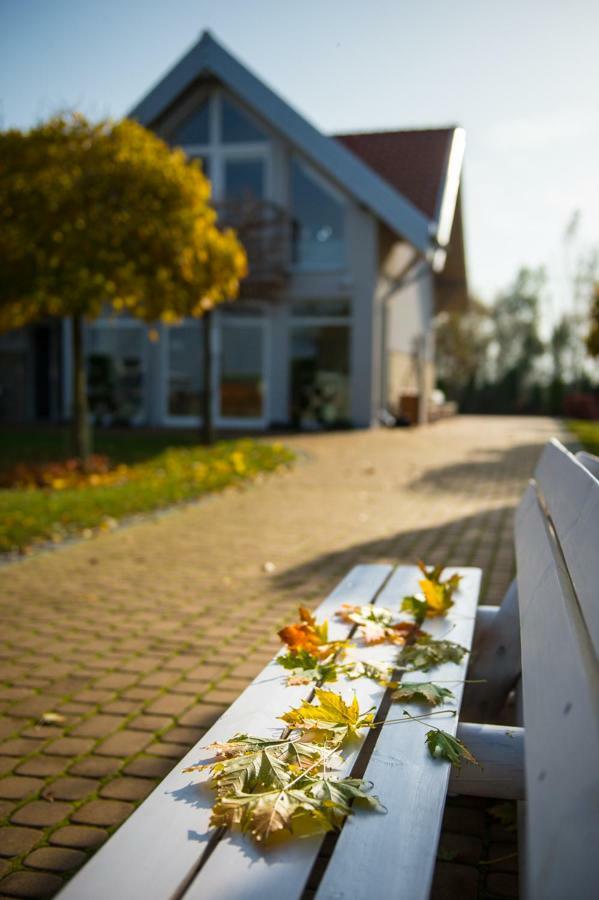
{"x": 354, "y": 244}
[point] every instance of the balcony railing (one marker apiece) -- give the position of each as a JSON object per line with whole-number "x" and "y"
{"x": 264, "y": 229}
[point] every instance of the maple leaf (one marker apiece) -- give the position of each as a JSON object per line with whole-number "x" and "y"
{"x": 426, "y": 652}
{"x": 332, "y": 721}
{"x": 309, "y": 636}
{"x": 307, "y": 668}
{"x": 360, "y": 615}
{"x": 246, "y": 763}
{"x": 379, "y": 672}
{"x": 438, "y": 594}
{"x": 309, "y": 806}
{"x": 442, "y": 745}
{"x": 416, "y": 607}
{"x": 336, "y": 795}
{"x": 422, "y": 692}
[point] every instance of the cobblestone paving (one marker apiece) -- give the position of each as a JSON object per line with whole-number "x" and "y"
{"x": 142, "y": 637}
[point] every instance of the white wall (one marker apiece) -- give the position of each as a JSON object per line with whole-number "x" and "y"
{"x": 405, "y": 288}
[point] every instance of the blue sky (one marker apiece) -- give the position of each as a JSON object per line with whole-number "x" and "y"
{"x": 521, "y": 76}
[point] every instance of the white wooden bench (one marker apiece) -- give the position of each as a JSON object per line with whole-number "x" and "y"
{"x": 166, "y": 850}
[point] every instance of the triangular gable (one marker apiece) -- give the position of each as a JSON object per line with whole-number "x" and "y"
{"x": 209, "y": 57}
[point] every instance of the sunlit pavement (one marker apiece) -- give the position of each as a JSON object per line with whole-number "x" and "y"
{"x": 138, "y": 639}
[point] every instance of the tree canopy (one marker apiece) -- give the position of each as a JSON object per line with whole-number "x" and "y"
{"x": 107, "y": 213}
{"x": 103, "y": 215}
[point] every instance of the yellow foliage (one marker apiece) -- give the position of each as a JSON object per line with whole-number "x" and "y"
{"x": 102, "y": 213}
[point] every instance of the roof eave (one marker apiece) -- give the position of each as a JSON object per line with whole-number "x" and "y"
{"x": 448, "y": 195}
{"x": 342, "y": 166}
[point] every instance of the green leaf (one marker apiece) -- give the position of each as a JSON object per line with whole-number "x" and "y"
{"x": 415, "y": 607}
{"x": 379, "y": 672}
{"x": 312, "y": 805}
{"x": 425, "y": 653}
{"x": 422, "y": 692}
{"x": 332, "y": 721}
{"x": 246, "y": 763}
{"x": 442, "y": 745}
{"x": 306, "y": 668}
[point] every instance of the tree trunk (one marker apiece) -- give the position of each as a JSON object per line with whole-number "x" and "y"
{"x": 80, "y": 438}
{"x": 207, "y": 411}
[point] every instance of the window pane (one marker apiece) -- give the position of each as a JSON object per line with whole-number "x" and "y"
{"x": 185, "y": 369}
{"x": 244, "y": 179}
{"x": 241, "y": 382}
{"x": 115, "y": 374}
{"x": 320, "y": 375}
{"x": 237, "y": 127}
{"x": 317, "y": 221}
{"x": 309, "y": 308}
{"x": 195, "y": 129}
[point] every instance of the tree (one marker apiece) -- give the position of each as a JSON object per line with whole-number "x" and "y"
{"x": 516, "y": 341}
{"x": 593, "y": 335}
{"x": 461, "y": 345}
{"x": 103, "y": 215}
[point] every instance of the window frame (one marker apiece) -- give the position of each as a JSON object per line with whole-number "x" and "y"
{"x": 218, "y": 153}
{"x": 335, "y": 194}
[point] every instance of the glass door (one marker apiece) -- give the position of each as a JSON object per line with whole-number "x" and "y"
{"x": 241, "y": 378}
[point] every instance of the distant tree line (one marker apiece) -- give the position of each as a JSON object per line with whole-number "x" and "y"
{"x": 493, "y": 358}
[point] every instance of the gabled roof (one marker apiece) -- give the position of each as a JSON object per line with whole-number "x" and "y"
{"x": 413, "y": 161}
{"x": 422, "y": 164}
{"x": 375, "y": 190}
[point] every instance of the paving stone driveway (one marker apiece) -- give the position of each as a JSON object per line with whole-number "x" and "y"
{"x": 142, "y": 637}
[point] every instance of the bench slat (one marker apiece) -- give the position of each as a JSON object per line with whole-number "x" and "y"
{"x": 560, "y": 692}
{"x": 500, "y": 752}
{"x": 154, "y": 851}
{"x": 237, "y": 869}
{"x": 571, "y": 493}
{"x": 589, "y": 461}
{"x": 495, "y": 658}
{"x": 401, "y": 846}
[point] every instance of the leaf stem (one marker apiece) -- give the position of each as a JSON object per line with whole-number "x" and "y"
{"x": 416, "y": 718}
{"x": 440, "y": 712}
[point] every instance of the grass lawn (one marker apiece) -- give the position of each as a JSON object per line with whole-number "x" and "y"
{"x": 587, "y": 433}
{"x": 148, "y": 473}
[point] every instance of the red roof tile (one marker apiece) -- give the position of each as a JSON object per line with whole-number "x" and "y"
{"x": 413, "y": 162}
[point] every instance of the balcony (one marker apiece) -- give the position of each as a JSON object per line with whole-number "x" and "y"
{"x": 264, "y": 229}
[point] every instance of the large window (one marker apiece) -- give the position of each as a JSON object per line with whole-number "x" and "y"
{"x": 241, "y": 383}
{"x": 196, "y": 128}
{"x": 237, "y": 127}
{"x": 320, "y": 364}
{"x": 232, "y": 147}
{"x": 116, "y": 372}
{"x": 185, "y": 369}
{"x": 244, "y": 179}
{"x": 318, "y": 220}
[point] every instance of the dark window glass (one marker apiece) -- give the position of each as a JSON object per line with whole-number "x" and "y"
{"x": 241, "y": 375}
{"x": 195, "y": 129}
{"x": 320, "y": 375}
{"x": 115, "y": 374}
{"x": 185, "y": 369}
{"x": 309, "y": 308}
{"x": 244, "y": 179}
{"x": 237, "y": 128}
{"x": 318, "y": 221}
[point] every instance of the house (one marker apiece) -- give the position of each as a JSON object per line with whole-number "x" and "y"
{"x": 355, "y": 244}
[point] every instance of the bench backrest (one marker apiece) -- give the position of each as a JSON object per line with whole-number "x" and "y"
{"x": 557, "y": 548}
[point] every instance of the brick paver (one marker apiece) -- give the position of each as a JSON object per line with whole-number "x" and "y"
{"x": 140, "y": 638}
